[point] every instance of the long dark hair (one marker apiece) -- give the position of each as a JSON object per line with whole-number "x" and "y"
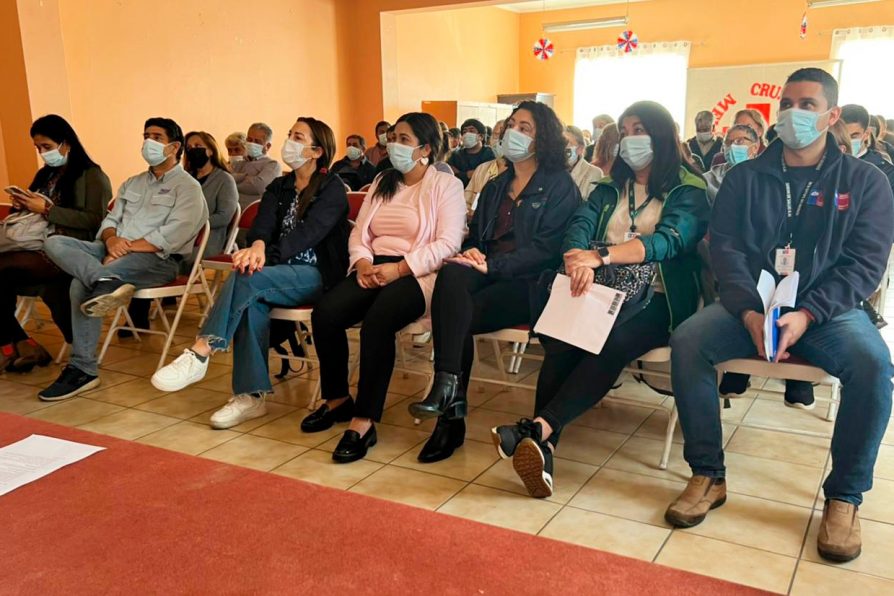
{"x": 549, "y": 142}
{"x": 324, "y": 139}
{"x": 60, "y": 131}
{"x": 667, "y": 159}
{"x": 426, "y": 129}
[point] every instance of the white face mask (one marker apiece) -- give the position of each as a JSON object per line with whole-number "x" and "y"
{"x": 470, "y": 139}
{"x": 236, "y": 158}
{"x": 254, "y": 150}
{"x": 704, "y": 137}
{"x": 571, "y": 157}
{"x": 383, "y": 139}
{"x": 154, "y": 152}
{"x": 636, "y": 151}
{"x": 292, "y": 154}
{"x": 354, "y": 153}
{"x": 401, "y": 157}
{"x": 54, "y": 158}
{"x": 516, "y": 145}
{"x": 498, "y": 149}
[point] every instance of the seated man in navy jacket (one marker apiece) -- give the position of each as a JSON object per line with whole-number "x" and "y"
{"x": 835, "y": 215}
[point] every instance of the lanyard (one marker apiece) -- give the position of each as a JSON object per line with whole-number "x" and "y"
{"x": 631, "y": 205}
{"x": 801, "y": 201}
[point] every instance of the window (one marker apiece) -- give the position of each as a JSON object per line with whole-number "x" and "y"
{"x": 607, "y": 81}
{"x": 865, "y": 73}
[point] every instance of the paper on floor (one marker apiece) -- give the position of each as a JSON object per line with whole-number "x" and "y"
{"x": 33, "y": 458}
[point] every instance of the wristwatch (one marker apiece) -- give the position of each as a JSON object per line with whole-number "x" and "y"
{"x": 603, "y": 253}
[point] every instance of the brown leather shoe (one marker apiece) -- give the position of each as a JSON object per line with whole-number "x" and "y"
{"x": 31, "y": 354}
{"x": 701, "y": 495}
{"x": 839, "y": 536}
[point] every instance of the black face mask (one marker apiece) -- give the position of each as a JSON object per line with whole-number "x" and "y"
{"x": 197, "y": 157}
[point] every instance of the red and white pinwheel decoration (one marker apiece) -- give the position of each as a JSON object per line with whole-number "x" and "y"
{"x": 543, "y": 49}
{"x": 804, "y": 25}
{"x": 628, "y": 41}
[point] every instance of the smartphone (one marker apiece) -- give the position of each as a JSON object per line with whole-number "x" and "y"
{"x": 16, "y": 192}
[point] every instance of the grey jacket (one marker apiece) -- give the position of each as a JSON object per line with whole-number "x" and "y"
{"x": 222, "y": 197}
{"x": 253, "y": 176}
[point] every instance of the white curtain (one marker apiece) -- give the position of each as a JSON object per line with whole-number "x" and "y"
{"x": 866, "y": 54}
{"x": 607, "y": 81}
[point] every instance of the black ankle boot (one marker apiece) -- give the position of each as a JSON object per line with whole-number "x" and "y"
{"x": 446, "y": 398}
{"x": 447, "y": 438}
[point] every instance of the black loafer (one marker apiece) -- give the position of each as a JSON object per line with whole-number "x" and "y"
{"x": 448, "y": 436}
{"x": 323, "y": 418}
{"x": 446, "y": 398}
{"x": 353, "y": 447}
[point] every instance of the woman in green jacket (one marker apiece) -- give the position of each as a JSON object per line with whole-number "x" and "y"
{"x": 78, "y": 193}
{"x": 650, "y": 210}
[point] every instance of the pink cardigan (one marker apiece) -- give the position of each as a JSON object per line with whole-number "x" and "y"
{"x": 442, "y": 224}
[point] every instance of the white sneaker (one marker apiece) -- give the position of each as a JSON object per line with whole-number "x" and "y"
{"x": 185, "y": 370}
{"x": 239, "y": 409}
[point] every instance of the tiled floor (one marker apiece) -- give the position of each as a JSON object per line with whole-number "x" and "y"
{"x": 609, "y": 495}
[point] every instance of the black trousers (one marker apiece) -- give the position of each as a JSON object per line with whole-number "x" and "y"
{"x": 573, "y": 380}
{"x": 29, "y": 270}
{"x": 384, "y": 312}
{"x": 465, "y": 303}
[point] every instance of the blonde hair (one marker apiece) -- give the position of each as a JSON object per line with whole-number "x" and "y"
{"x": 757, "y": 117}
{"x": 236, "y": 138}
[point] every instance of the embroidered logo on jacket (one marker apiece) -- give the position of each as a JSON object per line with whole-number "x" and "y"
{"x": 842, "y": 201}
{"x": 816, "y": 199}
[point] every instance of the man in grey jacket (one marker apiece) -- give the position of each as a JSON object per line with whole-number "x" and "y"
{"x": 257, "y": 170}
{"x": 141, "y": 242}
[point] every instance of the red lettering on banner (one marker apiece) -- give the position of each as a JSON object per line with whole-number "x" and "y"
{"x": 722, "y": 106}
{"x": 766, "y": 90}
{"x": 755, "y": 89}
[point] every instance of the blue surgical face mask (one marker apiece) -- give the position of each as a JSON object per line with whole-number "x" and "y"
{"x": 154, "y": 152}
{"x": 856, "y": 147}
{"x": 797, "y": 127}
{"x": 401, "y": 157}
{"x": 736, "y": 154}
{"x": 498, "y": 149}
{"x": 516, "y": 145}
{"x": 254, "y": 150}
{"x": 54, "y": 158}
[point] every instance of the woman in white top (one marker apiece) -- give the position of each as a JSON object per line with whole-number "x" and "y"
{"x": 412, "y": 219}
{"x": 584, "y": 174}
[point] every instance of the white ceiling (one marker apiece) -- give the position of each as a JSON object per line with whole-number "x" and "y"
{"x": 537, "y": 5}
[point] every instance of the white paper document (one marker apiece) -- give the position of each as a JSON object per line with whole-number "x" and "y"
{"x": 774, "y": 298}
{"x": 32, "y": 458}
{"x": 584, "y": 321}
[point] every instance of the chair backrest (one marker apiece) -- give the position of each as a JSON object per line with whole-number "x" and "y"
{"x": 233, "y": 228}
{"x": 5, "y": 209}
{"x": 365, "y": 187}
{"x": 355, "y": 201}
{"x": 111, "y": 205}
{"x": 248, "y": 216}
{"x": 200, "y": 243}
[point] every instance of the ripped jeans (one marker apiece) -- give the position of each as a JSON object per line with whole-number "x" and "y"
{"x": 241, "y": 315}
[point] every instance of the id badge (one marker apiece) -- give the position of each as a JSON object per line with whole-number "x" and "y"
{"x": 631, "y": 235}
{"x": 785, "y": 261}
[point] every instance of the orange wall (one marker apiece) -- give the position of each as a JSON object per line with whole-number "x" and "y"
{"x": 17, "y": 152}
{"x": 466, "y": 54}
{"x": 733, "y": 32}
{"x": 216, "y": 66}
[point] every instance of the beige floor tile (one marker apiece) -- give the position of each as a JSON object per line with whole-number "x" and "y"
{"x": 128, "y": 394}
{"x": 398, "y": 415}
{"x": 409, "y": 487}
{"x": 118, "y": 354}
{"x": 613, "y": 416}
{"x": 113, "y": 378}
{"x": 655, "y": 427}
{"x": 466, "y": 463}
{"x": 393, "y": 441}
{"x": 814, "y": 579}
{"x": 878, "y": 504}
{"x": 317, "y": 467}
{"x": 774, "y": 480}
{"x": 587, "y": 445}
{"x": 75, "y": 411}
{"x": 480, "y": 421}
{"x": 408, "y": 384}
{"x": 480, "y": 393}
{"x": 221, "y": 384}
{"x": 39, "y": 377}
{"x": 274, "y": 411}
{"x": 500, "y": 508}
{"x": 568, "y": 477}
{"x": 758, "y": 523}
{"x": 188, "y": 437}
{"x": 607, "y": 533}
{"x": 142, "y": 365}
{"x": 632, "y": 390}
{"x": 253, "y": 452}
{"x": 295, "y": 392}
{"x": 185, "y": 403}
{"x": 630, "y": 496}
{"x": 884, "y": 465}
{"x": 878, "y": 548}
{"x": 513, "y": 403}
{"x": 130, "y": 424}
{"x": 798, "y": 449}
{"x": 773, "y": 413}
{"x": 288, "y": 429}
{"x": 888, "y": 439}
{"x": 18, "y": 398}
{"x": 732, "y": 562}
{"x": 641, "y": 456}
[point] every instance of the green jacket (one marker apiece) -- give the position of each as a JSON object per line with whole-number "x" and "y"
{"x": 86, "y": 208}
{"x": 684, "y": 221}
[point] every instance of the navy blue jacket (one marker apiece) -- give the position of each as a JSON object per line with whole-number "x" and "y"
{"x": 849, "y": 227}
{"x": 875, "y": 158}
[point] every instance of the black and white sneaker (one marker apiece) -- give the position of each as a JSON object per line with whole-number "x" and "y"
{"x": 507, "y": 437}
{"x": 105, "y": 298}
{"x": 533, "y": 462}
{"x": 799, "y": 394}
{"x": 70, "y": 383}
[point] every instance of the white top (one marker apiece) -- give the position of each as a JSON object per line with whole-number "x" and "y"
{"x": 646, "y": 220}
{"x": 585, "y": 176}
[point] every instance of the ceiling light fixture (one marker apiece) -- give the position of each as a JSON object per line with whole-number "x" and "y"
{"x": 830, "y": 3}
{"x": 590, "y": 24}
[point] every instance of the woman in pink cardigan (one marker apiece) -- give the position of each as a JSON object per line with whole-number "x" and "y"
{"x": 412, "y": 219}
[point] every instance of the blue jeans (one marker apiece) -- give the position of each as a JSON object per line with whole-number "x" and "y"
{"x": 848, "y": 347}
{"x": 83, "y": 261}
{"x": 241, "y": 315}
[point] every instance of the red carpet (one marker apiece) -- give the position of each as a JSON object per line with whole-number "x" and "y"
{"x": 135, "y": 519}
